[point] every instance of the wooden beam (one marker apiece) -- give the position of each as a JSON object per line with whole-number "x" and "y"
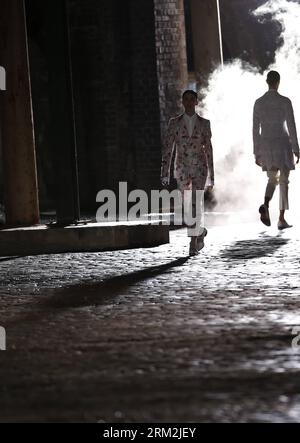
{"x": 18, "y": 143}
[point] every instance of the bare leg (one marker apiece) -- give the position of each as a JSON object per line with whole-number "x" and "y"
{"x": 284, "y": 194}
{"x": 264, "y": 209}
{"x": 267, "y": 201}
{"x": 272, "y": 184}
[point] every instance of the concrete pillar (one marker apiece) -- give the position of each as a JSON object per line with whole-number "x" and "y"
{"x": 206, "y": 37}
{"x": 18, "y": 144}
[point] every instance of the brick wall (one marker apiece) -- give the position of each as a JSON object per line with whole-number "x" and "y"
{"x": 129, "y": 67}
{"x": 145, "y": 103}
{"x": 171, "y": 56}
{"x": 114, "y": 61}
{"x": 97, "y": 88}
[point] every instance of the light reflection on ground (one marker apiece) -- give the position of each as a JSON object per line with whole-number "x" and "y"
{"x": 161, "y": 336}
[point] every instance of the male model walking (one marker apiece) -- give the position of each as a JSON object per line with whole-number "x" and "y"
{"x": 189, "y": 136}
{"x": 275, "y": 145}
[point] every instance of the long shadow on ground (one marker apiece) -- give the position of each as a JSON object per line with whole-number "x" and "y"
{"x": 255, "y": 248}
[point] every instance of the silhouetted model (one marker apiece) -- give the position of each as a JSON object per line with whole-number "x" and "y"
{"x": 275, "y": 144}
{"x": 189, "y": 135}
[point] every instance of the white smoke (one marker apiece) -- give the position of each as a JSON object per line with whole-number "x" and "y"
{"x": 228, "y": 103}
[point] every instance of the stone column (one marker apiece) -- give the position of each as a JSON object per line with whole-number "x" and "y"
{"x": 18, "y": 143}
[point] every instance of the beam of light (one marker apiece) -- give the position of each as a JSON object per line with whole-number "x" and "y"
{"x": 220, "y": 33}
{"x": 228, "y": 103}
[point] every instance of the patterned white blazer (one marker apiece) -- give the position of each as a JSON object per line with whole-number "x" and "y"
{"x": 193, "y": 154}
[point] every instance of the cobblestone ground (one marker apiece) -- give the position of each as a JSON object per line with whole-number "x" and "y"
{"x": 153, "y": 336}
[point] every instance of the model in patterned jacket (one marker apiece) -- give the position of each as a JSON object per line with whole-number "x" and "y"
{"x": 189, "y": 139}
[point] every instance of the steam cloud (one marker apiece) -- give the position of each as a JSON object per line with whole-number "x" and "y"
{"x": 228, "y": 103}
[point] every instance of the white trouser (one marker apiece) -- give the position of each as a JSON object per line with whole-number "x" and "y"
{"x": 282, "y": 178}
{"x": 193, "y": 204}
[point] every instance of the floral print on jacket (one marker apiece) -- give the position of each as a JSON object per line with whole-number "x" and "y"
{"x": 193, "y": 154}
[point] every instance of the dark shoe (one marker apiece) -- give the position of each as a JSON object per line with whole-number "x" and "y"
{"x": 200, "y": 240}
{"x": 283, "y": 225}
{"x": 193, "y": 247}
{"x": 265, "y": 215}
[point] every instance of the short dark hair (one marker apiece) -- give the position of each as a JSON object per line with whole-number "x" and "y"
{"x": 273, "y": 77}
{"x": 190, "y": 91}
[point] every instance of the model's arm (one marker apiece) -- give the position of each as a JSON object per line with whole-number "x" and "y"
{"x": 168, "y": 149}
{"x": 290, "y": 120}
{"x": 210, "y": 154}
{"x": 256, "y": 132}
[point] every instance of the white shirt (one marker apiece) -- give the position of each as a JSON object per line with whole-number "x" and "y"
{"x": 190, "y": 123}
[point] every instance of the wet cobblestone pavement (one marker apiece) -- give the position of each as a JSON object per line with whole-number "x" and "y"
{"x": 155, "y": 336}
